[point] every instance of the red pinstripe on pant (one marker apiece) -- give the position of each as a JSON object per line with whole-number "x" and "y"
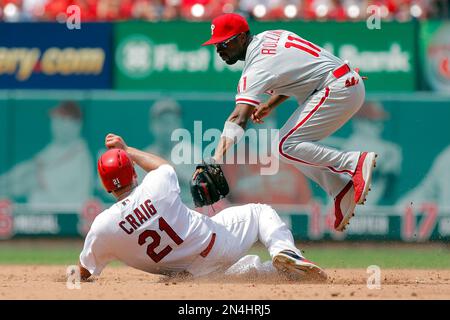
{"x": 297, "y": 127}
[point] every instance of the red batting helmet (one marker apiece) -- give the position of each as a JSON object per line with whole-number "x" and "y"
{"x": 116, "y": 169}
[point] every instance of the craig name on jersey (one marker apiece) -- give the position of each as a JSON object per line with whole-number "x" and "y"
{"x": 139, "y": 215}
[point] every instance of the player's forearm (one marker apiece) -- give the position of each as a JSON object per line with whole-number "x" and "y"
{"x": 145, "y": 160}
{"x": 276, "y": 100}
{"x": 239, "y": 117}
{"x": 222, "y": 148}
{"x": 233, "y": 130}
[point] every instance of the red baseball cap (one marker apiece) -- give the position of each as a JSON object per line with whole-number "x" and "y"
{"x": 226, "y": 26}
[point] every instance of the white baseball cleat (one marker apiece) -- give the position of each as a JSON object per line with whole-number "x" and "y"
{"x": 344, "y": 207}
{"x": 362, "y": 177}
{"x": 291, "y": 264}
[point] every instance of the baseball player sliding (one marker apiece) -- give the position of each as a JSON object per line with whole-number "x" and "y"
{"x": 149, "y": 228}
{"x": 328, "y": 92}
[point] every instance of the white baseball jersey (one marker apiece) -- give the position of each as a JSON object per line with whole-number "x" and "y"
{"x": 151, "y": 229}
{"x": 282, "y": 63}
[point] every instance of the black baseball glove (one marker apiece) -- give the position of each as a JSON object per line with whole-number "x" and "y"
{"x": 208, "y": 184}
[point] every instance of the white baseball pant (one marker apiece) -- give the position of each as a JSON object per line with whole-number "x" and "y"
{"x": 320, "y": 116}
{"x": 237, "y": 229}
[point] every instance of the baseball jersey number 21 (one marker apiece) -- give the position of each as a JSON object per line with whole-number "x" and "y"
{"x": 303, "y": 45}
{"x": 163, "y": 226}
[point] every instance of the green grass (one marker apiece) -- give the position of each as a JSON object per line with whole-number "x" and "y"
{"x": 384, "y": 257}
{"x": 67, "y": 256}
{"x": 39, "y": 256}
{"x": 326, "y": 255}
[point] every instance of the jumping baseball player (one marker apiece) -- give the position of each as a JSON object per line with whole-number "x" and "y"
{"x": 149, "y": 228}
{"x": 328, "y": 92}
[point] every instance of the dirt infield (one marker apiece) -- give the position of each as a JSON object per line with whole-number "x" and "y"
{"x": 49, "y": 282}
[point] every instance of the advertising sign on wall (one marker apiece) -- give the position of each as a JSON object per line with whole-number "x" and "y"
{"x": 435, "y": 54}
{"x": 55, "y": 57}
{"x": 169, "y": 56}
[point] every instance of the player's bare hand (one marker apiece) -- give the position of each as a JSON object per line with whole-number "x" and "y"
{"x": 115, "y": 141}
{"x": 261, "y": 112}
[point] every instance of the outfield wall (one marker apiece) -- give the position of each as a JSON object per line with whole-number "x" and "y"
{"x": 150, "y": 79}
{"x": 49, "y": 186}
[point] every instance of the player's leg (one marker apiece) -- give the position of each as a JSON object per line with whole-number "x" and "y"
{"x": 344, "y": 203}
{"x": 320, "y": 116}
{"x": 251, "y": 266}
{"x": 246, "y": 224}
{"x": 239, "y": 228}
{"x": 336, "y": 172}
{"x": 228, "y": 226}
{"x": 330, "y": 181}
{"x": 301, "y": 146}
{"x": 236, "y": 231}
{"x": 278, "y": 239}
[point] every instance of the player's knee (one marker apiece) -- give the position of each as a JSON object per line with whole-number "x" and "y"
{"x": 286, "y": 147}
{"x": 283, "y": 148}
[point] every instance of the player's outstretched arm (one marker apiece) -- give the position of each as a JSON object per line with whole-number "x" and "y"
{"x": 145, "y": 160}
{"x": 234, "y": 129}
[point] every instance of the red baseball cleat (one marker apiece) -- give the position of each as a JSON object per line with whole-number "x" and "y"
{"x": 344, "y": 207}
{"x": 363, "y": 176}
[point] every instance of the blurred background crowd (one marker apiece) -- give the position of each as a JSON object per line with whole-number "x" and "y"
{"x": 156, "y": 10}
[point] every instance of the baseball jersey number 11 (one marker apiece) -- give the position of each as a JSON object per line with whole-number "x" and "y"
{"x": 303, "y": 45}
{"x": 163, "y": 226}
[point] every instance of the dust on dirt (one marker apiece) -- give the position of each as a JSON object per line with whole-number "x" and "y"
{"x": 49, "y": 282}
